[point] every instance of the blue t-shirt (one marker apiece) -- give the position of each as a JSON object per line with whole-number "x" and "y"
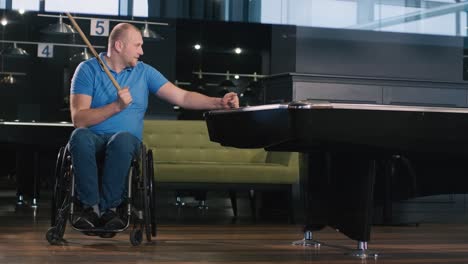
{"x": 91, "y": 79}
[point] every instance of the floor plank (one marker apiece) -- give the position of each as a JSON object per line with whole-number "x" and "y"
{"x": 23, "y": 241}
{"x": 213, "y": 239}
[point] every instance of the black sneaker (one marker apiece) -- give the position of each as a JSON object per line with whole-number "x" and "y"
{"x": 112, "y": 221}
{"x": 88, "y": 219}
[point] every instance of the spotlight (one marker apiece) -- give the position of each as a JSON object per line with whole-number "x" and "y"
{"x": 4, "y": 22}
{"x": 197, "y": 46}
{"x": 238, "y": 50}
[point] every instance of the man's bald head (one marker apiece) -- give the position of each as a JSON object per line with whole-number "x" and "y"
{"x": 120, "y": 32}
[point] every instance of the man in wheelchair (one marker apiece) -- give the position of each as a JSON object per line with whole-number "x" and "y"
{"x": 109, "y": 123}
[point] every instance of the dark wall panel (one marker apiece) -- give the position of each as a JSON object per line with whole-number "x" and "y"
{"x": 378, "y": 54}
{"x": 283, "y": 49}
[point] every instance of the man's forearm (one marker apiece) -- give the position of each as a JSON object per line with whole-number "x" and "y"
{"x": 93, "y": 116}
{"x": 197, "y": 101}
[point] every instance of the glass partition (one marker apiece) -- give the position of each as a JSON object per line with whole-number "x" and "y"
{"x": 439, "y": 17}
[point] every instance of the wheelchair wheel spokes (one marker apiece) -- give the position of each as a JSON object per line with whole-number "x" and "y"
{"x": 62, "y": 216}
{"x": 151, "y": 192}
{"x": 62, "y": 192}
{"x": 55, "y": 233}
{"x": 60, "y": 206}
{"x": 57, "y": 176}
{"x": 145, "y": 194}
{"x": 147, "y": 218}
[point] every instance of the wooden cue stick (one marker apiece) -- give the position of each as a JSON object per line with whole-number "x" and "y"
{"x": 85, "y": 39}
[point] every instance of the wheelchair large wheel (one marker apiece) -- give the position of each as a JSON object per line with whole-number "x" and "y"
{"x": 140, "y": 201}
{"x": 57, "y": 175}
{"x": 152, "y": 191}
{"x": 146, "y": 195}
{"x": 61, "y": 198}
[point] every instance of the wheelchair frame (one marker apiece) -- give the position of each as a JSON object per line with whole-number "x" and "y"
{"x": 140, "y": 201}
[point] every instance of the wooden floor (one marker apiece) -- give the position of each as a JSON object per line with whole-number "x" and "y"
{"x": 22, "y": 240}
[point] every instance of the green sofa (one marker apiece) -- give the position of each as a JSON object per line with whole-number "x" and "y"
{"x": 185, "y": 158}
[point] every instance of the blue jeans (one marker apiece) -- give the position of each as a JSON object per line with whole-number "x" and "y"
{"x": 116, "y": 151}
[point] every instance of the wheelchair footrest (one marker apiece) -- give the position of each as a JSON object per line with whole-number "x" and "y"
{"x": 100, "y": 231}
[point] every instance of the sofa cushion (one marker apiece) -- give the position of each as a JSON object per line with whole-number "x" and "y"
{"x": 183, "y": 153}
{"x": 188, "y": 140}
{"x": 211, "y": 172}
{"x": 193, "y": 154}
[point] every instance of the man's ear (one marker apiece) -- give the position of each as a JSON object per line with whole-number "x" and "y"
{"x": 119, "y": 45}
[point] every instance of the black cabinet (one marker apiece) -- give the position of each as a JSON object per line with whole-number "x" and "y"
{"x": 345, "y": 89}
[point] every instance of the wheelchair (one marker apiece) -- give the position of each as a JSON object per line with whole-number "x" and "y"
{"x": 138, "y": 208}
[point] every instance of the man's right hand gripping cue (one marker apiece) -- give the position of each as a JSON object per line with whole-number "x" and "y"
{"x": 125, "y": 98}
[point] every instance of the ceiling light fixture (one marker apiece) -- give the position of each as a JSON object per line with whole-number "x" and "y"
{"x": 59, "y": 28}
{"x": 146, "y": 32}
{"x": 14, "y": 51}
{"x": 8, "y": 79}
{"x": 82, "y": 56}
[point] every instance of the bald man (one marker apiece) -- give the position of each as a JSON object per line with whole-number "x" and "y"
{"x": 109, "y": 124}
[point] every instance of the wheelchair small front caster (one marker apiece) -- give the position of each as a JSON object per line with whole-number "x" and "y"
{"x": 136, "y": 237}
{"x": 53, "y": 237}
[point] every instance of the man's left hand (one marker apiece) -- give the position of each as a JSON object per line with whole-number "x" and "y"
{"x": 230, "y": 100}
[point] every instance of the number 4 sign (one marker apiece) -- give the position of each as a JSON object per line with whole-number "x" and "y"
{"x": 99, "y": 27}
{"x": 45, "y": 50}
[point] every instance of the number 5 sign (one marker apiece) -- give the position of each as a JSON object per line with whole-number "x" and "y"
{"x": 99, "y": 27}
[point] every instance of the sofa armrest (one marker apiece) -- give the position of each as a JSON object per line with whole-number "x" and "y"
{"x": 283, "y": 158}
